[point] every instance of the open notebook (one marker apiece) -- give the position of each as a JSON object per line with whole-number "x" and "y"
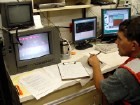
{"x": 72, "y": 70}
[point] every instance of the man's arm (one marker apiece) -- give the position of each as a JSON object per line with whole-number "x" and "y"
{"x": 97, "y": 75}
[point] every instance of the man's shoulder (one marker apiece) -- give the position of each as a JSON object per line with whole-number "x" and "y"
{"x": 121, "y": 71}
{"x": 124, "y": 76}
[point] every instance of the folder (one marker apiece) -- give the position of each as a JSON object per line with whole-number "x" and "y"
{"x": 72, "y": 70}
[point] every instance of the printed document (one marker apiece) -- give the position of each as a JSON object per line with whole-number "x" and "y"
{"x": 39, "y": 83}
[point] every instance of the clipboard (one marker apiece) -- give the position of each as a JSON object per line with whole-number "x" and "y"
{"x": 72, "y": 70}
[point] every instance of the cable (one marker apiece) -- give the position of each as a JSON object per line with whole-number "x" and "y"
{"x": 62, "y": 27}
{"x": 56, "y": 26}
{"x": 117, "y": 4}
{"x": 94, "y": 14}
{"x": 17, "y": 37}
{"x": 135, "y": 9}
{"x": 53, "y": 25}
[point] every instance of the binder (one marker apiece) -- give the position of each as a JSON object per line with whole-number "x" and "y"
{"x": 72, "y": 70}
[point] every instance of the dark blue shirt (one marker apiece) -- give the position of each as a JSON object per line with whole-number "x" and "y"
{"x": 122, "y": 85}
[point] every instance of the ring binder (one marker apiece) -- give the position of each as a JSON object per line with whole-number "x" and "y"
{"x": 72, "y": 70}
{"x": 65, "y": 63}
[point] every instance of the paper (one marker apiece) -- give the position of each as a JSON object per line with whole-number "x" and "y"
{"x": 37, "y": 21}
{"x": 115, "y": 61}
{"x": 72, "y": 70}
{"x": 39, "y": 83}
{"x": 84, "y": 60}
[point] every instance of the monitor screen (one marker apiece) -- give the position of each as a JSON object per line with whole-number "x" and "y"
{"x": 84, "y": 31}
{"x": 15, "y": 10}
{"x": 33, "y": 46}
{"x": 111, "y": 18}
{"x": 17, "y": 14}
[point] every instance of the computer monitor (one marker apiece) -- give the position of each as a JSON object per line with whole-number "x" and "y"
{"x": 38, "y": 48}
{"x": 84, "y": 31}
{"x": 17, "y": 14}
{"x": 110, "y": 19}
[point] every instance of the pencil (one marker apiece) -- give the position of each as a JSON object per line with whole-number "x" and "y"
{"x": 96, "y": 54}
{"x": 19, "y": 90}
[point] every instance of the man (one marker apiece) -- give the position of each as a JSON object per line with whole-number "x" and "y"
{"x": 124, "y": 84}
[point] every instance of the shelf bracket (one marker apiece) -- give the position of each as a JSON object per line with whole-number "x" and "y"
{"x": 83, "y": 12}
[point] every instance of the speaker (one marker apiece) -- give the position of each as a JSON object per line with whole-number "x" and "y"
{"x": 127, "y": 2}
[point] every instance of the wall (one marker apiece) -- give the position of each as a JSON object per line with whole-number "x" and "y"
{"x": 64, "y": 17}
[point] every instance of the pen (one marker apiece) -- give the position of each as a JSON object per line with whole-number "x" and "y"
{"x": 97, "y": 54}
{"x": 19, "y": 90}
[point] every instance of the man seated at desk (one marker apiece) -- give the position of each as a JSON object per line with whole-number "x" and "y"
{"x": 123, "y": 87}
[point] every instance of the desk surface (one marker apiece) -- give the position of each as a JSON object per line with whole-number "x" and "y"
{"x": 108, "y": 59}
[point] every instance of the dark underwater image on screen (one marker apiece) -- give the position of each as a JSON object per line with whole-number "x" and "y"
{"x": 23, "y": 10}
{"x": 33, "y": 46}
{"x": 85, "y": 29}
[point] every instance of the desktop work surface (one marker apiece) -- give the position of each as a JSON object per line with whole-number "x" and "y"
{"x": 63, "y": 91}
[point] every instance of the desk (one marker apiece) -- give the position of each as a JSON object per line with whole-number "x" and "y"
{"x": 71, "y": 87}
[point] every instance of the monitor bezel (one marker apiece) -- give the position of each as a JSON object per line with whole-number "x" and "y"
{"x": 111, "y": 35}
{"x": 88, "y": 39}
{"x": 22, "y": 24}
{"x": 48, "y": 59}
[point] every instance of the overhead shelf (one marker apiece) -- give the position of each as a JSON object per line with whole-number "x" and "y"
{"x": 62, "y": 8}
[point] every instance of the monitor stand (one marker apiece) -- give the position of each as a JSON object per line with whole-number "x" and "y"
{"x": 109, "y": 39}
{"x": 83, "y": 45}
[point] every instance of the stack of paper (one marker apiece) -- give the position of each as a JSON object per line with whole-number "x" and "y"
{"x": 45, "y": 80}
{"x": 39, "y": 83}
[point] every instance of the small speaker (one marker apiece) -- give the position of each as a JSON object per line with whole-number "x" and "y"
{"x": 127, "y": 2}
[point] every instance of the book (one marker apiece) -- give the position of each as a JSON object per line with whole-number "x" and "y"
{"x": 72, "y": 70}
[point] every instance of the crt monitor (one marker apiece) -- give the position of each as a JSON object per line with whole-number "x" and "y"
{"x": 84, "y": 31}
{"x": 111, "y": 18}
{"x": 38, "y": 48}
{"x": 17, "y": 14}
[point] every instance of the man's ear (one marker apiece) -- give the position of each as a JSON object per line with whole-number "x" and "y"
{"x": 135, "y": 45}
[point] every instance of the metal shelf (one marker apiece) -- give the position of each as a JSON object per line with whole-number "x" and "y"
{"x": 62, "y": 8}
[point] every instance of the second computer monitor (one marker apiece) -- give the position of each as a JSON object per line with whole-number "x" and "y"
{"x": 111, "y": 18}
{"x": 84, "y": 31}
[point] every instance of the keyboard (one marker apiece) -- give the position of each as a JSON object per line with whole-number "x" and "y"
{"x": 106, "y": 48}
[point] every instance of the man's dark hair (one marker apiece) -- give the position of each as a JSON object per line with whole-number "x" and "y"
{"x": 131, "y": 29}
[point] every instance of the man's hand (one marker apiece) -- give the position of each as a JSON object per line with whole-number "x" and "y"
{"x": 93, "y": 60}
